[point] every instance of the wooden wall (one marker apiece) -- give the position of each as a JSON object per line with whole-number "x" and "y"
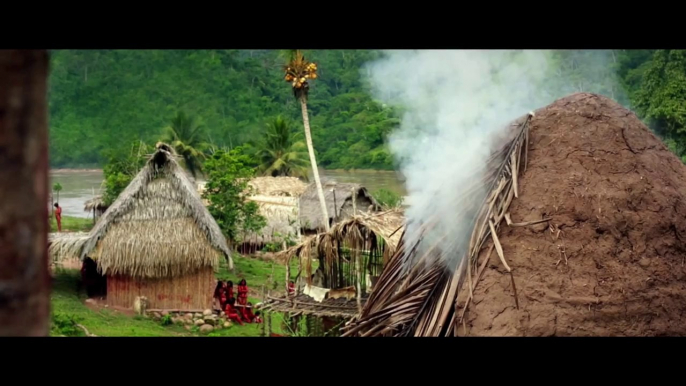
{"x": 190, "y": 292}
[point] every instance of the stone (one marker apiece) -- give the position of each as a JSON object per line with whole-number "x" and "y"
{"x": 644, "y": 262}
{"x": 227, "y": 324}
{"x": 156, "y": 315}
{"x": 197, "y": 316}
{"x": 206, "y": 329}
{"x": 199, "y": 322}
{"x": 210, "y": 321}
{"x": 188, "y": 321}
{"x": 221, "y": 314}
{"x": 207, "y": 312}
{"x": 187, "y": 328}
{"x": 189, "y": 315}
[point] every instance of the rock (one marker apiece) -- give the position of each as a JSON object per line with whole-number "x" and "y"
{"x": 227, "y": 324}
{"x": 90, "y": 301}
{"x": 189, "y": 316}
{"x": 187, "y": 328}
{"x": 644, "y": 262}
{"x": 206, "y": 329}
{"x": 199, "y": 322}
{"x": 188, "y": 321}
{"x": 156, "y": 316}
{"x": 197, "y": 316}
{"x": 210, "y": 321}
{"x": 179, "y": 321}
{"x": 221, "y": 314}
{"x": 207, "y": 312}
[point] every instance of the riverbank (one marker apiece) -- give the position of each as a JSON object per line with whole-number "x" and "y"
{"x": 72, "y": 224}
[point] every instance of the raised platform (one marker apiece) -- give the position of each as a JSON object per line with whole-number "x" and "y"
{"x": 305, "y": 305}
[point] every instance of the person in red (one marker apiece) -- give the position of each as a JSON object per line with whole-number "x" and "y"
{"x": 229, "y": 289}
{"x": 58, "y": 217}
{"x": 291, "y": 288}
{"x": 231, "y": 311}
{"x": 242, "y": 293}
{"x": 220, "y": 297}
{"x": 249, "y": 317}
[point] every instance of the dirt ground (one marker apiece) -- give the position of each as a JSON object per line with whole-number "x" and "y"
{"x": 611, "y": 262}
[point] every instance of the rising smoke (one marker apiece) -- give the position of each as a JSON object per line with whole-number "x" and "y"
{"x": 453, "y": 103}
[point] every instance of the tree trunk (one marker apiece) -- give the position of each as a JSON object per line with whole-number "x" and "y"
{"x": 24, "y": 278}
{"x": 313, "y": 161}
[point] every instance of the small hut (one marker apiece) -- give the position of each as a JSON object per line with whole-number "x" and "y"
{"x": 339, "y": 204}
{"x": 157, "y": 240}
{"x": 277, "y": 198}
{"x": 338, "y": 271}
{"x": 96, "y": 206}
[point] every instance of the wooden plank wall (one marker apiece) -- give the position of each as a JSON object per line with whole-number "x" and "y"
{"x": 190, "y": 292}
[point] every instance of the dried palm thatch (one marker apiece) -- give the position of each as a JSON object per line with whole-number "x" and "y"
{"x": 424, "y": 301}
{"x": 278, "y": 186}
{"x": 340, "y": 250}
{"x": 66, "y": 246}
{"x": 281, "y": 214}
{"x": 338, "y": 198}
{"x": 95, "y": 204}
{"x": 157, "y": 227}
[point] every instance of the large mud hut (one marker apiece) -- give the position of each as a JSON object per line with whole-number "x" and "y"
{"x": 582, "y": 235}
{"x": 157, "y": 240}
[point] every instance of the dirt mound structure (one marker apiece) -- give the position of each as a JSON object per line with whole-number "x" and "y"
{"x": 611, "y": 262}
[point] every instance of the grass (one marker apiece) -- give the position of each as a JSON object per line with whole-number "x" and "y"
{"x": 68, "y": 305}
{"x": 72, "y": 224}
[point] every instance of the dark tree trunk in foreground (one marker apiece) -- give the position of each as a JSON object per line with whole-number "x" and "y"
{"x": 24, "y": 277}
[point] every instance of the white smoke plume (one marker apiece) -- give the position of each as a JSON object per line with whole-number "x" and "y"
{"x": 453, "y": 103}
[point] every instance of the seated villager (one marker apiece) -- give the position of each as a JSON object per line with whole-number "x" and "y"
{"x": 242, "y": 293}
{"x": 220, "y": 297}
{"x": 257, "y": 319}
{"x": 248, "y": 316}
{"x": 231, "y": 312}
{"x": 291, "y": 288}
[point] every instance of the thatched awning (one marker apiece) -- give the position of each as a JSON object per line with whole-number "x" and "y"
{"x": 278, "y": 186}
{"x": 96, "y": 204}
{"x": 305, "y": 305}
{"x": 158, "y": 227}
{"x": 338, "y": 193}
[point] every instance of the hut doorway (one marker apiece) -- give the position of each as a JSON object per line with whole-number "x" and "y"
{"x": 93, "y": 282}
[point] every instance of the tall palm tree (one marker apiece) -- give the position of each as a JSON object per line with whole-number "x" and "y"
{"x": 280, "y": 153}
{"x": 185, "y": 136}
{"x": 298, "y": 73}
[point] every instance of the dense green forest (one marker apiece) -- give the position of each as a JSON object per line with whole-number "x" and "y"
{"x": 100, "y": 99}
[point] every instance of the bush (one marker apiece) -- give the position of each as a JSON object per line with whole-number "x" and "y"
{"x": 64, "y": 325}
{"x": 387, "y": 198}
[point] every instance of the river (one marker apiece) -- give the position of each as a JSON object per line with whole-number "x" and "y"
{"x": 78, "y": 186}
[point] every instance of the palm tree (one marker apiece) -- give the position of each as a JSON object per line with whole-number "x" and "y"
{"x": 185, "y": 136}
{"x": 280, "y": 153}
{"x": 298, "y": 71}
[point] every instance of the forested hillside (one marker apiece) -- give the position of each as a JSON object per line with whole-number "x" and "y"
{"x": 100, "y": 99}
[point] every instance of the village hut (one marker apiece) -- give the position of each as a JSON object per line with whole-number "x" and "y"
{"x": 156, "y": 241}
{"x": 96, "y": 206}
{"x": 339, "y": 204}
{"x": 577, "y": 238}
{"x": 277, "y": 198}
{"x": 337, "y": 271}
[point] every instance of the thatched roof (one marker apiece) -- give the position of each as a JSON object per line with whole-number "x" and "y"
{"x": 157, "y": 227}
{"x": 281, "y": 214}
{"x": 96, "y": 203}
{"x": 305, "y": 305}
{"x": 359, "y": 232}
{"x": 310, "y": 208}
{"x": 278, "y": 186}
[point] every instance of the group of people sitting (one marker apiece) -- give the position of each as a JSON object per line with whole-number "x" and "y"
{"x": 237, "y": 309}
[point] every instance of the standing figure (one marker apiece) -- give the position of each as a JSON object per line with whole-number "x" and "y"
{"x": 243, "y": 293}
{"x": 229, "y": 289}
{"x": 220, "y": 297}
{"x": 58, "y": 216}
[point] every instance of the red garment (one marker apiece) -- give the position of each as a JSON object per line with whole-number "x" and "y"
{"x": 229, "y": 292}
{"x": 247, "y": 314}
{"x": 232, "y": 314}
{"x": 58, "y": 217}
{"x": 242, "y": 295}
{"x": 291, "y": 288}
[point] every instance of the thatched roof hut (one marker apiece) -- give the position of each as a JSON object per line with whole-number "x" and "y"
{"x": 339, "y": 203}
{"x": 95, "y": 205}
{"x": 278, "y": 186}
{"x": 156, "y": 235}
{"x": 351, "y": 257}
